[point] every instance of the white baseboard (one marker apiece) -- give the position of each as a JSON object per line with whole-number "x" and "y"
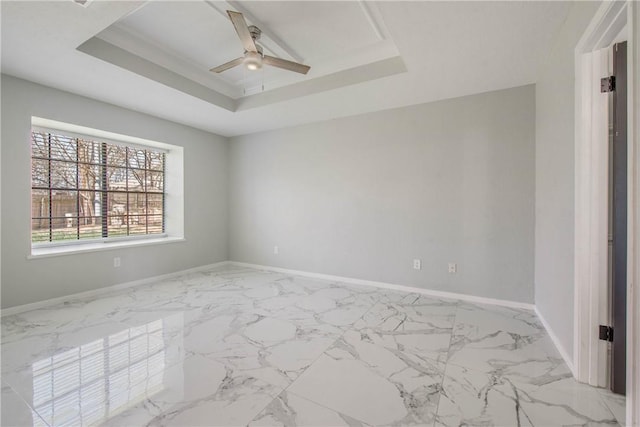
{"x": 556, "y": 342}
{"x": 100, "y": 291}
{"x": 402, "y": 288}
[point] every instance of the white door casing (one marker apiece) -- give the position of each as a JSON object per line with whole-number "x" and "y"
{"x": 591, "y": 216}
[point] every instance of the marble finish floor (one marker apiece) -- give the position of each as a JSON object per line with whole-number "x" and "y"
{"x": 242, "y": 347}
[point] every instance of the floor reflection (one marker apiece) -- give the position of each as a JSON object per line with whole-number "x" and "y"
{"x": 91, "y": 383}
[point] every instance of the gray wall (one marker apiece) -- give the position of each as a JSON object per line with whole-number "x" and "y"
{"x": 205, "y": 183}
{"x": 451, "y": 181}
{"x": 555, "y": 169}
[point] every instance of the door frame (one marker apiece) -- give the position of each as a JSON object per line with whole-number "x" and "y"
{"x": 590, "y": 262}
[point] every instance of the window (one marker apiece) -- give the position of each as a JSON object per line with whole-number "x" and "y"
{"x": 84, "y": 188}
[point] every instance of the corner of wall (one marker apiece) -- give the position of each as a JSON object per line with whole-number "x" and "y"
{"x": 555, "y": 181}
{"x": 228, "y": 142}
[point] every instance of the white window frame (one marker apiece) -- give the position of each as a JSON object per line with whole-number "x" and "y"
{"x": 173, "y": 190}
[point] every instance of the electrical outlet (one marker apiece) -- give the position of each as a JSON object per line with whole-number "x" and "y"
{"x": 453, "y": 267}
{"x": 116, "y": 262}
{"x": 417, "y": 264}
{"x": 276, "y": 250}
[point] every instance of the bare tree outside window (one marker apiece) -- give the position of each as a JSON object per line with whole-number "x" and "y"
{"x": 87, "y": 189}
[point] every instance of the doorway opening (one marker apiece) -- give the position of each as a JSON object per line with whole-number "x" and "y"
{"x": 607, "y": 245}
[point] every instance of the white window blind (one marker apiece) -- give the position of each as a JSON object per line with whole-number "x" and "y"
{"x": 84, "y": 188}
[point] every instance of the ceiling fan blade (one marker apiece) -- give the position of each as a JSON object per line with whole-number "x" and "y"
{"x": 237, "y": 19}
{"x": 227, "y": 65}
{"x": 287, "y": 65}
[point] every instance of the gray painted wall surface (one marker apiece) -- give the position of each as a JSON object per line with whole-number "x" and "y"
{"x": 205, "y": 184}
{"x": 451, "y": 181}
{"x": 555, "y": 168}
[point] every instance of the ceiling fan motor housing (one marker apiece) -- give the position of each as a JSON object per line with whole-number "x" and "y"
{"x": 255, "y": 35}
{"x": 255, "y": 32}
{"x": 258, "y": 49}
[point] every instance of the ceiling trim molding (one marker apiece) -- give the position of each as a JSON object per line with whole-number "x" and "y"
{"x": 115, "y": 55}
{"x": 364, "y": 73}
{"x": 372, "y": 14}
{"x": 134, "y": 42}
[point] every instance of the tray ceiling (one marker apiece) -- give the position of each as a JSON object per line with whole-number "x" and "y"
{"x": 189, "y": 38}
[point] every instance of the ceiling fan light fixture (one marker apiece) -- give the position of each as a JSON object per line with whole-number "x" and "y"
{"x": 253, "y": 58}
{"x": 253, "y": 61}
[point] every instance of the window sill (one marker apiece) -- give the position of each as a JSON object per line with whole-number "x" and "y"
{"x": 98, "y": 246}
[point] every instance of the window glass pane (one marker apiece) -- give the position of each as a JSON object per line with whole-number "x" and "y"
{"x": 136, "y": 179}
{"x": 39, "y": 144}
{"x": 137, "y": 204}
{"x": 155, "y": 181}
{"x": 117, "y": 205}
{"x": 63, "y": 147}
{"x": 61, "y": 235}
{"x": 116, "y": 155}
{"x": 154, "y": 224}
{"x": 40, "y": 230}
{"x": 64, "y": 209}
{"x": 156, "y": 160}
{"x": 90, "y": 203}
{"x": 89, "y": 217}
{"x": 89, "y": 151}
{"x": 64, "y": 228}
{"x": 117, "y": 231}
{"x": 39, "y": 173}
{"x": 63, "y": 174}
{"x": 40, "y": 203}
{"x": 154, "y": 204}
{"x": 137, "y": 158}
{"x": 89, "y": 177}
{"x": 117, "y": 179}
{"x": 90, "y": 227}
{"x": 137, "y": 224}
{"x": 117, "y": 209}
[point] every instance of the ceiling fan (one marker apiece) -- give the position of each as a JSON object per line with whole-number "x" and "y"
{"x": 253, "y": 57}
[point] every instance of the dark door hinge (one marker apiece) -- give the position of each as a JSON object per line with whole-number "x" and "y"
{"x": 607, "y": 84}
{"x": 606, "y": 333}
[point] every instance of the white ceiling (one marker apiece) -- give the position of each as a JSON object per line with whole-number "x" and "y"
{"x": 364, "y": 56}
{"x": 354, "y": 36}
